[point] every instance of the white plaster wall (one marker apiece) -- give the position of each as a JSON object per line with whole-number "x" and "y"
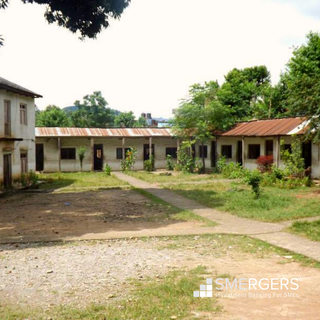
{"x": 26, "y": 132}
{"x": 315, "y": 173}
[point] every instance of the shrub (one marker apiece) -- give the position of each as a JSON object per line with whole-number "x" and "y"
{"x": 81, "y": 155}
{"x": 29, "y": 179}
{"x": 148, "y": 165}
{"x": 130, "y": 159}
{"x": 170, "y": 163}
{"x": 230, "y": 170}
{"x": 186, "y": 161}
{"x": 107, "y": 169}
{"x": 253, "y": 179}
{"x": 265, "y": 163}
{"x": 198, "y": 166}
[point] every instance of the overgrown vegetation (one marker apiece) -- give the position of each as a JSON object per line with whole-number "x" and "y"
{"x": 107, "y": 169}
{"x": 29, "y": 179}
{"x": 130, "y": 159}
{"x": 148, "y": 165}
{"x": 170, "y": 165}
{"x": 81, "y": 155}
{"x": 310, "y": 230}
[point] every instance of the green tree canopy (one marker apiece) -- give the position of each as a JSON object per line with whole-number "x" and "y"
{"x": 83, "y": 16}
{"x": 93, "y": 112}
{"x": 141, "y": 122}
{"x": 201, "y": 114}
{"x": 303, "y": 82}
{"x": 125, "y": 120}
{"x": 52, "y": 116}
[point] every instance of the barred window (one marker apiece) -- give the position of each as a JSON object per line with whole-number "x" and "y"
{"x": 68, "y": 153}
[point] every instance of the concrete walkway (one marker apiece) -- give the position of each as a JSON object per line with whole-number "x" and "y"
{"x": 227, "y": 223}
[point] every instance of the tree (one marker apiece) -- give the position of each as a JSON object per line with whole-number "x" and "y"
{"x": 303, "y": 81}
{"x": 243, "y": 89}
{"x": 81, "y": 154}
{"x": 141, "y": 122}
{"x": 124, "y": 120}
{"x": 92, "y": 112}
{"x": 83, "y": 16}
{"x": 52, "y": 116}
{"x": 201, "y": 114}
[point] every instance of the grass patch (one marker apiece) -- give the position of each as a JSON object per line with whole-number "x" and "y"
{"x": 174, "y": 213}
{"x": 310, "y": 230}
{"x": 274, "y": 204}
{"x": 154, "y": 177}
{"x": 171, "y": 296}
{"x": 76, "y": 181}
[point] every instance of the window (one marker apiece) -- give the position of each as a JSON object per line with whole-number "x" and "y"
{"x": 24, "y": 162}
{"x": 7, "y": 118}
{"x": 269, "y": 148}
{"x": 68, "y": 153}
{"x": 119, "y": 152}
{"x": 226, "y": 151}
{"x": 254, "y": 151}
{"x": 23, "y": 114}
{"x": 172, "y": 152}
{"x": 205, "y": 151}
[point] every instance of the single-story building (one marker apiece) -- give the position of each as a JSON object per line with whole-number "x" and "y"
{"x": 17, "y": 135}
{"x": 56, "y": 148}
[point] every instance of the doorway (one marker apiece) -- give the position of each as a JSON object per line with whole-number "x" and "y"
{"x": 239, "y": 152}
{"x": 98, "y": 157}
{"x": 269, "y": 148}
{"x": 307, "y": 154}
{"x": 7, "y": 171}
{"x": 213, "y": 154}
{"x": 39, "y": 157}
{"x": 146, "y": 151}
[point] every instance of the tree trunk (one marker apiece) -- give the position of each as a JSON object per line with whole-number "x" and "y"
{"x": 203, "y": 159}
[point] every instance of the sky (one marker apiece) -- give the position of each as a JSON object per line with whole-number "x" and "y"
{"x": 146, "y": 61}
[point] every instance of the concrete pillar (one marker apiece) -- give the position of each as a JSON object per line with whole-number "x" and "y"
{"x": 123, "y": 148}
{"x": 59, "y": 154}
{"x": 243, "y": 153}
{"x": 150, "y": 147}
{"x": 278, "y": 147}
{"x": 92, "y": 153}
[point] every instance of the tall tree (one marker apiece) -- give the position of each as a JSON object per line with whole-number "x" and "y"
{"x": 303, "y": 80}
{"x": 93, "y": 112}
{"x": 141, "y": 122}
{"x": 124, "y": 120}
{"x": 83, "y": 16}
{"x": 201, "y": 114}
{"x": 52, "y": 116}
{"x": 242, "y": 89}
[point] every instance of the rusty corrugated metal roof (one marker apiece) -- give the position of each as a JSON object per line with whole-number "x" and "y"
{"x": 272, "y": 127}
{"x": 99, "y": 132}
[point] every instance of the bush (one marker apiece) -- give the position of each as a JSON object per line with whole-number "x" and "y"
{"x": 198, "y": 166}
{"x": 170, "y": 163}
{"x": 253, "y": 179}
{"x": 29, "y": 179}
{"x": 130, "y": 159}
{"x": 107, "y": 169}
{"x": 230, "y": 170}
{"x": 265, "y": 163}
{"x": 148, "y": 165}
{"x": 81, "y": 155}
{"x": 186, "y": 161}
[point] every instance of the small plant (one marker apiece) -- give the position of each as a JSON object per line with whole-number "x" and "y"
{"x": 130, "y": 159}
{"x": 230, "y": 170}
{"x": 29, "y": 179}
{"x": 186, "y": 161}
{"x": 107, "y": 169}
{"x": 148, "y": 165}
{"x": 265, "y": 163}
{"x": 253, "y": 179}
{"x": 81, "y": 155}
{"x": 170, "y": 163}
{"x": 221, "y": 164}
{"x": 198, "y": 166}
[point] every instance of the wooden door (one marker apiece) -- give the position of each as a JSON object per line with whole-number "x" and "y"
{"x": 39, "y": 157}
{"x": 98, "y": 157}
{"x": 7, "y": 171}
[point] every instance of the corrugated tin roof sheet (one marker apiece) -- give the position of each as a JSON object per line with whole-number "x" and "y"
{"x": 108, "y": 132}
{"x": 13, "y": 87}
{"x": 272, "y": 127}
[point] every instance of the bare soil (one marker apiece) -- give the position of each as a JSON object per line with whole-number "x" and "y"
{"x": 84, "y": 215}
{"x": 79, "y": 273}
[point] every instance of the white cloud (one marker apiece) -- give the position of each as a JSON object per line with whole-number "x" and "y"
{"x": 147, "y": 60}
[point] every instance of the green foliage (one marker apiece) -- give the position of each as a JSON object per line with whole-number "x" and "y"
{"x": 124, "y": 120}
{"x": 230, "y": 170}
{"x": 308, "y": 229}
{"x": 92, "y": 112}
{"x": 141, "y": 123}
{"x": 81, "y": 155}
{"x": 30, "y": 179}
{"x": 303, "y": 79}
{"x": 107, "y": 169}
{"x": 130, "y": 159}
{"x": 293, "y": 159}
{"x": 186, "y": 161}
{"x": 52, "y": 116}
{"x": 253, "y": 179}
{"x": 169, "y": 163}
{"x": 148, "y": 165}
{"x": 86, "y": 17}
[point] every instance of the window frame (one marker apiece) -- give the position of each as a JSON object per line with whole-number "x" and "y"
{"x": 23, "y": 114}
{"x": 205, "y": 151}
{"x": 7, "y": 118}
{"x": 119, "y": 149}
{"x": 24, "y": 163}
{"x": 68, "y": 157}
{"x": 251, "y": 152}
{"x": 174, "y": 154}
{"x": 226, "y": 154}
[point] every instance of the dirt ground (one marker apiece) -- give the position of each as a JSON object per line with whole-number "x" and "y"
{"x": 79, "y": 273}
{"x": 85, "y": 215}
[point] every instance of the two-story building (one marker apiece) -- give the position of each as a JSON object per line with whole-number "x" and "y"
{"x": 17, "y": 135}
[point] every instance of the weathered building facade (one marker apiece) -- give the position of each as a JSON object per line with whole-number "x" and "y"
{"x": 17, "y": 136}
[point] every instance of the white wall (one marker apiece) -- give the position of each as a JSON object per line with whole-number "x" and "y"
{"x": 26, "y": 132}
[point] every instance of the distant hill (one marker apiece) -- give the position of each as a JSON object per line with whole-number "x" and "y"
{"x": 74, "y": 108}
